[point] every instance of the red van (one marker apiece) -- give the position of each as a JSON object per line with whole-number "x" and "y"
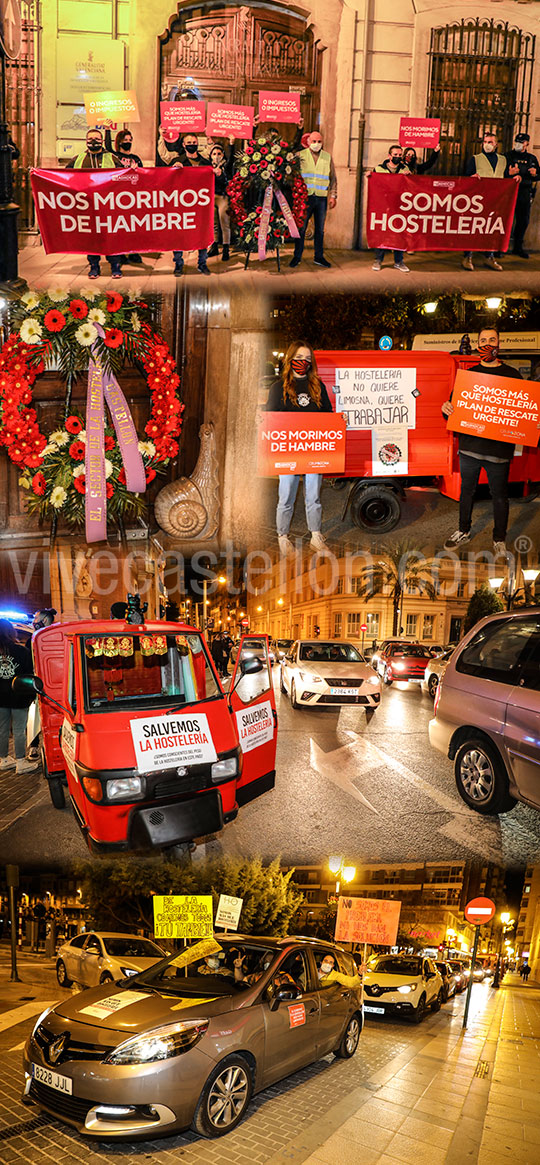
{"x": 430, "y": 451}
{"x": 136, "y": 723}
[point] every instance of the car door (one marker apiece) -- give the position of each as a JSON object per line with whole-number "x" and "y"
{"x": 522, "y": 726}
{"x": 430, "y": 977}
{"x": 337, "y": 1002}
{"x": 71, "y": 956}
{"x": 292, "y": 1029}
{"x": 253, "y": 707}
{"x": 91, "y": 961}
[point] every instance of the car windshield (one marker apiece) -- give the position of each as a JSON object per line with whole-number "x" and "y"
{"x": 329, "y": 653}
{"x": 284, "y": 644}
{"x": 146, "y": 670}
{"x": 456, "y": 967}
{"x": 395, "y": 965}
{"x": 132, "y": 947}
{"x": 410, "y": 649}
{"x": 210, "y": 968}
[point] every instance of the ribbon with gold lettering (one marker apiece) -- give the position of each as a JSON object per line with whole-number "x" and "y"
{"x": 264, "y": 223}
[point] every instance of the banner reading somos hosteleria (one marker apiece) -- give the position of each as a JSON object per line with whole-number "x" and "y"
{"x": 409, "y": 213}
{"x": 111, "y": 212}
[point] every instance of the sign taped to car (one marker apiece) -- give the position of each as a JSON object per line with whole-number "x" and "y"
{"x": 367, "y": 920}
{"x": 297, "y": 1015}
{"x": 255, "y": 726}
{"x": 164, "y": 741}
{"x": 379, "y": 397}
{"x": 185, "y": 916}
{"x": 113, "y": 1003}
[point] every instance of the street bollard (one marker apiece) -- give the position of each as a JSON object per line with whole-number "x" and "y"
{"x": 12, "y": 880}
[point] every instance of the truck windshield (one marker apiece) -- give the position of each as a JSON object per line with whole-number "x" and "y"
{"x": 146, "y": 670}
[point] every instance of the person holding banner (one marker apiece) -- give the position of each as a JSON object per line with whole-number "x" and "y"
{"x": 393, "y": 164}
{"x": 415, "y": 167}
{"x": 318, "y": 171}
{"x": 478, "y": 453}
{"x": 487, "y": 164}
{"x": 123, "y": 153}
{"x": 95, "y": 157}
{"x": 299, "y": 388}
{"x": 222, "y": 165}
{"x": 191, "y": 157}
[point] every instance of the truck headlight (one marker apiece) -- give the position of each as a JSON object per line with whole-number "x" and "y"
{"x": 223, "y": 770}
{"x": 160, "y": 1044}
{"x": 121, "y": 787}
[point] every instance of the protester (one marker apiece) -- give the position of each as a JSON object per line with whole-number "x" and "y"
{"x": 123, "y": 153}
{"x": 393, "y": 164}
{"x": 222, "y": 165}
{"x": 416, "y": 167}
{"x": 96, "y": 157}
{"x": 487, "y": 164}
{"x": 477, "y": 453}
{"x": 525, "y": 166}
{"x": 190, "y": 156}
{"x": 319, "y": 175}
{"x": 15, "y": 660}
{"x": 299, "y": 388}
{"x": 525, "y": 971}
{"x": 44, "y": 618}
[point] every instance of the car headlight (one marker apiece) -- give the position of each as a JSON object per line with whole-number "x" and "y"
{"x": 160, "y": 1044}
{"x": 373, "y": 680}
{"x": 127, "y": 971}
{"x": 41, "y": 1017}
{"x": 121, "y": 787}
{"x": 406, "y": 988}
{"x": 306, "y": 677}
{"x": 221, "y": 770}
{"x": 396, "y": 666}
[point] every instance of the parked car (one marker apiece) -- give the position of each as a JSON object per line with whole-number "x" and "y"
{"x": 459, "y": 973}
{"x": 103, "y": 956}
{"x": 281, "y": 647}
{"x": 449, "y": 978}
{"x": 434, "y": 670}
{"x": 435, "y": 649}
{"x": 163, "y": 1050}
{"x": 402, "y": 984}
{"x": 331, "y": 671}
{"x": 403, "y": 661}
{"x": 487, "y": 713}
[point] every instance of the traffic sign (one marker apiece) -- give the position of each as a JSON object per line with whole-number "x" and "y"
{"x": 10, "y": 27}
{"x": 385, "y": 343}
{"x": 363, "y": 626}
{"x": 479, "y": 911}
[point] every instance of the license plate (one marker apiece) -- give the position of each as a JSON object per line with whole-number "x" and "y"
{"x": 52, "y": 1079}
{"x": 343, "y": 691}
{"x": 375, "y": 1010}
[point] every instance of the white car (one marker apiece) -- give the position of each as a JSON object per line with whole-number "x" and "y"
{"x": 103, "y": 957}
{"x": 402, "y": 984}
{"x": 434, "y": 672}
{"x": 328, "y": 671}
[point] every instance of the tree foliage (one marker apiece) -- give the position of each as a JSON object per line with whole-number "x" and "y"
{"x": 484, "y": 601}
{"x": 402, "y": 570}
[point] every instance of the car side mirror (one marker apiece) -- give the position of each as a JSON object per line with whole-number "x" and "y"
{"x": 251, "y": 667}
{"x": 24, "y": 684}
{"x": 287, "y": 991}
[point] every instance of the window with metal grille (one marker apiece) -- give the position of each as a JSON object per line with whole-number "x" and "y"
{"x": 338, "y": 622}
{"x": 412, "y": 624}
{"x": 353, "y": 623}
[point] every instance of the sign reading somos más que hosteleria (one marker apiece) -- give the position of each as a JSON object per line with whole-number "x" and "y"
{"x": 497, "y": 407}
{"x": 367, "y": 920}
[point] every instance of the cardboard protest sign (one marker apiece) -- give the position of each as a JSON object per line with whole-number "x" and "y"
{"x": 409, "y": 212}
{"x": 184, "y": 916}
{"x": 229, "y": 911}
{"x": 275, "y": 106}
{"x": 367, "y": 920}
{"x": 497, "y": 407}
{"x": 115, "y": 104}
{"x": 178, "y": 117}
{"x": 222, "y": 120}
{"x": 312, "y": 443}
{"x": 160, "y": 742}
{"x": 420, "y": 132}
{"x": 377, "y": 397}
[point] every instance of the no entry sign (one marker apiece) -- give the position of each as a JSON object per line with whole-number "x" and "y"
{"x": 479, "y": 911}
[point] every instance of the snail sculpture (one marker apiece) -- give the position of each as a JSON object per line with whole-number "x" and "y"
{"x": 189, "y": 507}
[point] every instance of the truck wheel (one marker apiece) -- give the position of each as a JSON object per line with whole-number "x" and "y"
{"x": 375, "y": 507}
{"x": 481, "y": 777}
{"x": 56, "y": 790}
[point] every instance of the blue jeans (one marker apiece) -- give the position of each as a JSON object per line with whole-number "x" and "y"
{"x": 178, "y": 257}
{"x": 381, "y": 252}
{"x": 114, "y": 260}
{"x": 316, "y": 206}
{"x": 288, "y": 488}
{"x": 15, "y": 719}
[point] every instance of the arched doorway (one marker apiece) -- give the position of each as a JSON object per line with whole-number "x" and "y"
{"x": 233, "y": 51}
{"x": 480, "y": 78}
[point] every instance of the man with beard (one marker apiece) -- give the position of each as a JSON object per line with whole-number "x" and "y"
{"x": 95, "y": 157}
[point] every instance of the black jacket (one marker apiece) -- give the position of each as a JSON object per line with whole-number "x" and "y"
{"x": 524, "y": 162}
{"x": 17, "y": 661}
{"x": 304, "y": 402}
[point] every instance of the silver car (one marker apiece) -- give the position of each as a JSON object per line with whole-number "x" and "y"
{"x": 103, "y": 956}
{"x": 187, "y": 1042}
{"x": 435, "y": 671}
{"x": 330, "y": 672}
{"x": 487, "y": 712}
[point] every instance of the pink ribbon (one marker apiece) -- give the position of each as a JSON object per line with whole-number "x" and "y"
{"x": 103, "y": 386}
{"x": 264, "y": 224}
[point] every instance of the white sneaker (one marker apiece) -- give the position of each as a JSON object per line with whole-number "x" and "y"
{"x": 7, "y": 762}
{"x": 318, "y": 541}
{"x": 286, "y": 547}
{"x": 401, "y": 267}
{"x": 376, "y": 266}
{"x": 26, "y": 766}
{"x": 457, "y": 539}
{"x": 499, "y": 548}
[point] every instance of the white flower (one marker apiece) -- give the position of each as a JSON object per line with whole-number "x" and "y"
{"x": 58, "y": 497}
{"x": 30, "y": 300}
{"x": 46, "y": 452}
{"x": 147, "y": 448}
{"x": 290, "y": 156}
{"x": 81, "y": 436}
{"x": 275, "y": 149}
{"x": 97, "y": 316}
{"x": 109, "y": 468}
{"x": 24, "y": 481}
{"x": 134, "y": 294}
{"x": 87, "y": 293}
{"x": 79, "y": 470}
{"x": 57, "y": 294}
{"x": 59, "y": 437}
{"x": 256, "y": 156}
{"x": 135, "y": 322}
{"x": 86, "y": 335}
{"x": 30, "y": 331}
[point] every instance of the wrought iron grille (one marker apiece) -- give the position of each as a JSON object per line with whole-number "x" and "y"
{"x": 480, "y": 79}
{"x": 21, "y": 112}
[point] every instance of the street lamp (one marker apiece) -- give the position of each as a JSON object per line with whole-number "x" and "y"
{"x": 341, "y": 871}
{"x": 507, "y": 923}
{"x": 506, "y": 584}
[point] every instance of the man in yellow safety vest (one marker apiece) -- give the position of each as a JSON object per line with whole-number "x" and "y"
{"x": 487, "y": 164}
{"x": 319, "y": 176}
{"x": 95, "y": 157}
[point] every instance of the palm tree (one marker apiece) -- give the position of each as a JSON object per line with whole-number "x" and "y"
{"x": 400, "y": 569}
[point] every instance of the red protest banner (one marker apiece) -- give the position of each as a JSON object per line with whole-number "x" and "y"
{"x": 113, "y": 211}
{"x": 222, "y": 120}
{"x": 497, "y": 407}
{"x": 367, "y": 920}
{"x": 178, "y": 117}
{"x": 275, "y": 106}
{"x": 413, "y": 213}
{"x": 312, "y": 443}
{"x": 420, "y": 132}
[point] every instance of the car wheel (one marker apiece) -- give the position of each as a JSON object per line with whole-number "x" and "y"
{"x": 436, "y": 1003}
{"x": 432, "y": 686}
{"x": 294, "y": 701}
{"x": 281, "y": 684}
{"x": 106, "y": 978}
{"x": 386, "y": 677}
{"x": 481, "y": 777}
{"x": 224, "y": 1098}
{"x": 61, "y": 974}
{"x": 375, "y": 508}
{"x": 420, "y": 1010}
{"x": 56, "y": 792}
{"x": 350, "y": 1038}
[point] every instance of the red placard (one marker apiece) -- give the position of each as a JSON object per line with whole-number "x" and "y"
{"x": 479, "y": 911}
{"x": 297, "y": 1015}
{"x": 411, "y": 213}
{"x": 222, "y": 120}
{"x": 308, "y": 443}
{"x": 275, "y": 106}
{"x": 108, "y": 212}
{"x": 420, "y": 132}
{"x": 178, "y": 117}
{"x": 497, "y": 407}
{"x": 367, "y": 920}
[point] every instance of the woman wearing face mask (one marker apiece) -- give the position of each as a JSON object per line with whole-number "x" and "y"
{"x": 222, "y": 165}
{"x": 123, "y": 153}
{"x": 299, "y": 389}
{"x": 97, "y": 157}
{"x": 414, "y": 166}
{"x": 191, "y": 157}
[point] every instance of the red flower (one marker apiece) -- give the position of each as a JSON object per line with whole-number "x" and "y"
{"x": 73, "y": 425}
{"x": 253, "y": 169}
{"x": 54, "y": 320}
{"x": 150, "y": 475}
{"x": 78, "y": 309}
{"x": 77, "y": 450}
{"x": 79, "y": 483}
{"x": 284, "y": 145}
{"x": 249, "y": 150}
{"x": 39, "y": 484}
{"x": 114, "y": 300}
{"x": 122, "y": 477}
{"x": 110, "y": 489}
{"x": 264, "y": 149}
{"x": 109, "y": 444}
{"x": 113, "y": 337}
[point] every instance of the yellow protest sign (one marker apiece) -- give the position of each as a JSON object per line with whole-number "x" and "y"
{"x": 208, "y": 946}
{"x": 115, "y": 104}
{"x": 183, "y": 916}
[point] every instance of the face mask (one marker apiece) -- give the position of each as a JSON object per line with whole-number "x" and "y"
{"x": 315, "y": 146}
{"x": 213, "y": 964}
{"x": 489, "y": 147}
{"x": 488, "y": 352}
{"x": 326, "y": 968}
{"x": 217, "y": 160}
{"x": 520, "y": 146}
{"x": 94, "y": 146}
{"x": 126, "y": 146}
{"x": 191, "y": 149}
{"x": 300, "y": 366}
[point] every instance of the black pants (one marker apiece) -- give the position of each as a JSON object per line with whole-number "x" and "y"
{"x": 316, "y": 206}
{"x": 497, "y": 475}
{"x": 521, "y": 219}
{"x": 114, "y": 260}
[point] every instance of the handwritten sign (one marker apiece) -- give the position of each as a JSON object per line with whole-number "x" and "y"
{"x": 183, "y": 916}
{"x": 367, "y": 920}
{"x": 377, "y": 397}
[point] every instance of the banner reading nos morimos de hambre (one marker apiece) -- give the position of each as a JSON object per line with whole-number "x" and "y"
{"x": 409, "y": 213}
{"x": 109, "y": 212}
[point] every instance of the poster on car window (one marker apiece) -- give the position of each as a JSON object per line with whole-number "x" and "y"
{"x": 160, "y": 742}
{"x": 497, "y": 407}
{"x": 255, "y": 726}
{"x": 389, "y": 451}
{"x": 367, "y": 920}
{"x": 377, "y": 397}
{"x": 183, "y": 916}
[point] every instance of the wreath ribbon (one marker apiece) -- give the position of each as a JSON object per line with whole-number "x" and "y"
{"x": 264, "y": 224}
{"x": 103, "y": 387}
